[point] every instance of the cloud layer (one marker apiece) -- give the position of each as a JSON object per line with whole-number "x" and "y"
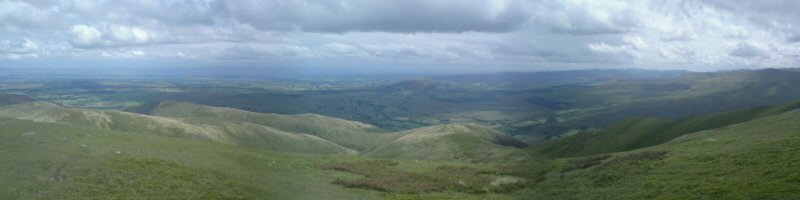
{"x": 446, "y": 35}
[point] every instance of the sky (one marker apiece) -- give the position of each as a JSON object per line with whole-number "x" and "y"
{"x": 445, "y": 36}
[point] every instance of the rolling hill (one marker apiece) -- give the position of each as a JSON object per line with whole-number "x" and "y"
{"x": 466, "y": 142}
{"x": 444, "y": 142}
{"x": 231, "y": 132}
{"x": 302, "y": 133}
{"x": 350, "y": 134}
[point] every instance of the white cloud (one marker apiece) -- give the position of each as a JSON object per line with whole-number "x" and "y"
{"x": 339, "y": 49}
{"x": 138, "y": 53}
{"x": 24, "y": 45}
{"x": 605, "y": 48}
{"x": 19, "y": 49}
{"x": 124, "y": 54}
{"x": 84, "y": 35}
{"x": 129, "y": 34}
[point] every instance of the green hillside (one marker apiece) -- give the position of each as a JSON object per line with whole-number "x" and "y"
{"x": 466, "y": 142}
{"x": 56, "y": 161}
{"x": 231, "y": 132}
{"x": 644, "y": 132}
{"x": 54, "y": 152}
{"x": 751, "y": 160}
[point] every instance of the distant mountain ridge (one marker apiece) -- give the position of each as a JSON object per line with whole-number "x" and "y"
{"x": 553, "y": 78}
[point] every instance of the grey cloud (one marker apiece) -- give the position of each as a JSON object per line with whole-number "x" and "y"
{"x": 577, "y": 19}
{"x": 18, "y": 49}
{"x": 21, "y": 15}
{"x": 581, "y": 24}
{"x": 321, "y": 16}
{"x": 21, "y": 46}
{"x": 777, "y": 15}
{"x": 388, "y": 16}
{"x": 680, "y": 37}
{"x": 762, "y": 11}
{"x": 341, "y": 49}
{"x": 794, "y": 38}
{"x": 746, "y": 50}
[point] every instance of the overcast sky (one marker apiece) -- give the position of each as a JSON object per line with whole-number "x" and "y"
{"x": 402, "y": 35}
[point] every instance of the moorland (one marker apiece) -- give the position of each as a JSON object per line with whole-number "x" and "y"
{"x": 620, "y": 134}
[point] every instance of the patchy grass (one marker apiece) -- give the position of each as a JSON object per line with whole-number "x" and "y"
{"x": 382, "y": 175}
{"x": 67, "y": 162}
{"x": 753, "y": 160}
{"x": 637, "y": 157}
{"x": 156, "y": 178}
{"x": 583, "y": 163}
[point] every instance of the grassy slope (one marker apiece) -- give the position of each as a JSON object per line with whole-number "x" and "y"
{"x": 232, "y": 132}
{"x": 57, "y": 161}
{"x": 351, "y": 134}
{"x": 639, "y": 133}
{"x": 466, "y": 142}
{"x": 751, "y": 160}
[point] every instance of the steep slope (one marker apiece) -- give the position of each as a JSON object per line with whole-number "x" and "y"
{"x": 232, "y": 132}
{"x": 644, "y": 132}
{"x": 751, "y": 160}
{"x": 466, "y": 142}
{"x": 351, "y": 134}
{"x": 7, "y": 99}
